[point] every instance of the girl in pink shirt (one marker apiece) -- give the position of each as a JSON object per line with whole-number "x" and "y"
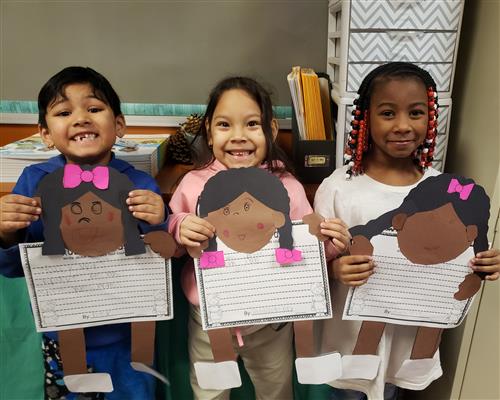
{"x": 240, "y": 131}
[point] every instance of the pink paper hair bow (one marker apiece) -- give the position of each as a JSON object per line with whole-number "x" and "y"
{"x": 74, "y": 175}
{"x": 463, "y": 190}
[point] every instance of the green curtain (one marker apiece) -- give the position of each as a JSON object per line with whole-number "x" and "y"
{"x": 21, "y": 362}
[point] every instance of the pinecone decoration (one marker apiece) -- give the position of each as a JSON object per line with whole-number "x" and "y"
{"x": 179, "y": 145}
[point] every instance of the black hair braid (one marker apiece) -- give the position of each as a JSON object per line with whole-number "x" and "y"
{"x": 358, "y": 140}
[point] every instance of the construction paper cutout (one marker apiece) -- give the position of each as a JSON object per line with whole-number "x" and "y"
{"x": 246, "y": 206}
{"x": 304, "y": 338}
{"x": 417, "y": 371}
{"x": 97, "y": 281}
{"x": 74, "y": 175}
{"x": 254, "y": 289}
{"x": 319, "y": 370}
{"x": 217, "y": 376}
{"x": 420, "y": 247}
{"x": 285, "y": 256}
{"x": 161, "y": 242}
{"x": 81, "y": 218}
{"x": 89, "y": 383}
{"x": 436, "y": 223}
{"x": 222, "y": 345}
{"x": 360, "y": 246}
{"x": 143, "y": 341}
{"x": 360, "y": 367}
{"x": 469, "y": 287}
{"x": 426, "y": 342}
{"x": 314, "y": 220}
{"x": 72, "y": 351}
{"x": 368, "y": 338}
{"x": 148, "y": 370}
{"x": 212, "y": 259}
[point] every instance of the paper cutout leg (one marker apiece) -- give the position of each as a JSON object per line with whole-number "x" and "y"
{"x": 311, "y": 369}
{"x": 223, "y": 373}
{"x": 74, "y": 362}
{"x": 364, "y": 362}
{"x": 421, "y": 362}
{"x": 142, "y": 348}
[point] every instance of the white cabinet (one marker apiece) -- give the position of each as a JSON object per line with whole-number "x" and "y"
{"x": 364, "y": 34}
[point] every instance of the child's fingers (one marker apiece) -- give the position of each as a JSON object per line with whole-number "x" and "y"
{"x": 492, "y": 277}
{"x": 488, "y": 257}
{"x": 341, "y": 245}
{"x": 18, "y": 199}
{"x": 189, "y": 243}
{"x": 336, "y": 221}
{"x": 486, "y": 268}
{"x": 198, "y": 225}
{"x": 12, "y": 226}
{"x": 488, "y": 253}
{"x": 359, "y": 259}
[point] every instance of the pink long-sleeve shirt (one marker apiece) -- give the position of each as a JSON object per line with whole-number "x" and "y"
{"x": 184, "y": 202}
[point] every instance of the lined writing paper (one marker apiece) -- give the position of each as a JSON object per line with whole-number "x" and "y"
{"x": 73, "y": 291}
{"x": 255, "y": 289}
{"x": 403, "y": 293}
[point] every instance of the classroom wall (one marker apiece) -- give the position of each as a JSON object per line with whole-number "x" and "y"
{"x": 160, "y": 51}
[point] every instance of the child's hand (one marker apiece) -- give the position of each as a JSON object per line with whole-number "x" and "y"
{"x": 353, "y": 270}
{"x": 195, "y": 230}
{"x": 146, "y": 205}
{"x": 489, "y": 262}
{"x": 16, "y": 212}
{"x": 338, "y": 233}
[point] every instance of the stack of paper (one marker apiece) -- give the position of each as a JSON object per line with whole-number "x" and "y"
{"x": 311, "y": 103}
{"x": 295, "y": 84}
{"x": 144, "y": 152}
{"x": 313, "y": 110}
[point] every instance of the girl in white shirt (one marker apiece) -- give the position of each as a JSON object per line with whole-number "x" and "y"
{"x": 389, "y": 151}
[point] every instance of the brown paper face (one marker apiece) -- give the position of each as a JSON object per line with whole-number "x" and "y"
{"x": 91, "y": 227}
{"x": 435, "y": 236}
{"x": 245, "y": 225}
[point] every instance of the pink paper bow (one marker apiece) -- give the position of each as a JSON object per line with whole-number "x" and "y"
{"x": 212, "y": 259}
{"x": 74, "y": 175}
{"x": 286, "y": 256}
{"x": 463, "y": 190}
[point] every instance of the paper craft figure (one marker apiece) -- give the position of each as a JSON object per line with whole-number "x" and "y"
{"x": 84, "y": 210}
{"x": 437, "y": 221}
{"x": 247, "y": 206}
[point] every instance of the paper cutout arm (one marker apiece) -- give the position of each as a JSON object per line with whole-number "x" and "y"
{"x": 361, "y": 246}
{"x": 161, "y": 242}
{"x": 314, "y": 220}
{"x": 469, "y": 287}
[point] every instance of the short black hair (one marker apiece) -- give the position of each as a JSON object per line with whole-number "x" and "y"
{"x": 56, "y": 86}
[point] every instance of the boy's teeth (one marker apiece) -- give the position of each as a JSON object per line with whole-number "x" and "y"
{"x": 87, "y": 136}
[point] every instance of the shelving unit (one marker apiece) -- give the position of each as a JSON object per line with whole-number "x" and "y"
{"x": 365, "y": 34}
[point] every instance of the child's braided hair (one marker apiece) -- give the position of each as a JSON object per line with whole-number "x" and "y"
{"x": 358, "y": 140}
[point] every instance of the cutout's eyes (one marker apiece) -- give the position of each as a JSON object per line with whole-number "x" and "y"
{"x": 246, "y": 207}
{"x": 96, "y": 207}
{"x": 225, "y": 211}
{"x": 76, "y": 208}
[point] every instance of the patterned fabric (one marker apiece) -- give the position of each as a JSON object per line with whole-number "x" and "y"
{"x": 55, "y": 389}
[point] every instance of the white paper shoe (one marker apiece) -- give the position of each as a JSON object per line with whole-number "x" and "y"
{"x": 88, "y": 383}
{"x": 148, "y": 370}
{"x": 416, "y": 370}
{"x": 219, "y": 376}
{"x": 360, "y": 366}
{"x": 319, "y": 370}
